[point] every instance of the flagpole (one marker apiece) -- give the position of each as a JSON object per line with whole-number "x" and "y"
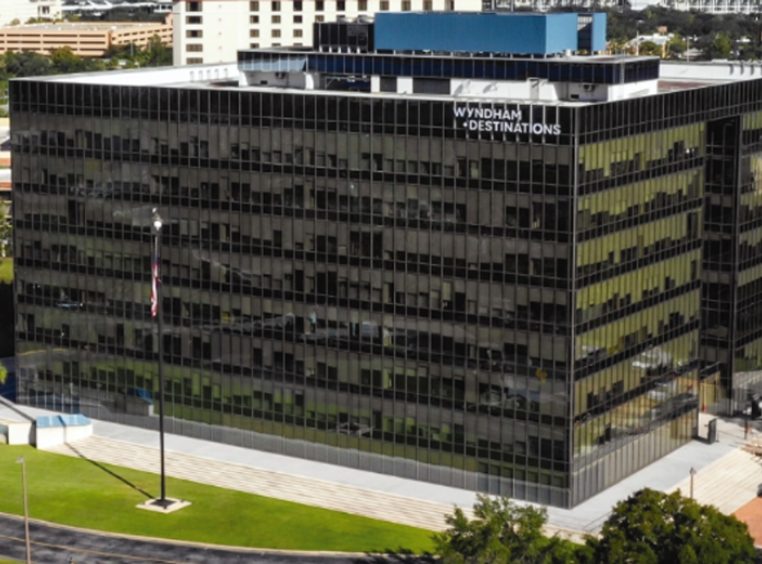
{"x": 156, "y": 312}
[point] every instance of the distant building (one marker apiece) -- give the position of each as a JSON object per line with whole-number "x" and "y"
{"x": 544, "y": 5}
{"x": 715, "y": 6}
{"x": 213, "y": 32}
{"x": 87, "y": 39}
{"x": 21, "y": 11}
{"x": 105, "y": 9}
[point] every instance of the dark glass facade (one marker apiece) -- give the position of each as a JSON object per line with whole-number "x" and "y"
{"x": 357, "y": 279}
{"x": 612, "y": 70}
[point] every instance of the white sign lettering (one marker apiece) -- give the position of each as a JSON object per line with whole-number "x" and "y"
{"x": 500, "y": 120}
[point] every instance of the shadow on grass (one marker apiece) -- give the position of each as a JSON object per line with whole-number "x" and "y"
{"x": 399, "y": 555}
{"x": 110, "y": 472}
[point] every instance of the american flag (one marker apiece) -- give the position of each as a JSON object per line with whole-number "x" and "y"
{"x": 155, "y": 288}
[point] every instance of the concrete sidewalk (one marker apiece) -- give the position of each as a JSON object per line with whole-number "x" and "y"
{"x": 381, "y": 496}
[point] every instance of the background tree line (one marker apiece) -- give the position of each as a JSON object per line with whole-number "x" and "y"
{"x": 727, "y": 36}
{"x": 64, "y": 60}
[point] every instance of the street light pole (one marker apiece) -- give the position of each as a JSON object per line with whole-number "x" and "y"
{"x": 693, "y": 473}
{"x": 27, "y": 539}
{"x": 156, "y": 313}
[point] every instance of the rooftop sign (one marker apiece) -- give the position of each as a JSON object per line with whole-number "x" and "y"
{"x": 491, "y": 119}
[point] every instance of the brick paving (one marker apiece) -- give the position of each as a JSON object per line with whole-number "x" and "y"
{"x": 751, "y": 514}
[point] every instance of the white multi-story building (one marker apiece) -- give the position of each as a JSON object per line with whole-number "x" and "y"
{"x": 715, "y": 6}
{"x": 212, "y": 31}
{"x": 546, "y": 5}
{"x": 21, "y": 11}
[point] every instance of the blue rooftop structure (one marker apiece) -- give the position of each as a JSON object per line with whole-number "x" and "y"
{"x": 498, "y": 33}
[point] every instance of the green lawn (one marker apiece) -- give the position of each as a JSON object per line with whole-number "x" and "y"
{"x": 77, "y": 492}
{"x": 6, "y": 271}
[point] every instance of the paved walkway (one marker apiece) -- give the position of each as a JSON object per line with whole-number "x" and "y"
{"x": 727, "y": 483}
{"x": 402, "y": 500}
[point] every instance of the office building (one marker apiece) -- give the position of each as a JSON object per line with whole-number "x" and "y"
{"x": 546, "y": 5}
{"x": 209, "y": 31}
{"x": 116, "y": 10}
{"x": 87, "y": 39}
{"x": 473, "y": 258}
{"x": 21, "y": 11}
{"x": 714, "y": 6}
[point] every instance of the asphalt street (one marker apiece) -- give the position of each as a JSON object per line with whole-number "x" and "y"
{"x": 53, "y": 545}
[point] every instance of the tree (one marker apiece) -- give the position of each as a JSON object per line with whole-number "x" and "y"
{"x": 155, "y": 54}
{"x": 720, "y": 47}
{"x": 64, "y": 61}
{"x": 6, "y": 231}
{"x": 26, "y": 63}
{"x": 649, "y": 48}
{"x": 652, "y": 527}
{"x": 676, "y": 46}
{"x": 502, "y": 532}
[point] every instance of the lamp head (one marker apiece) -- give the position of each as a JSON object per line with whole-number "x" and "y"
{"x": 156, "y": 220}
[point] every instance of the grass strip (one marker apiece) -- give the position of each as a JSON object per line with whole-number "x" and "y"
{"x": 82, "y": 493}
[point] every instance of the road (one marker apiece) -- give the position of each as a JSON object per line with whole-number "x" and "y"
{"x": 53, "y": 545}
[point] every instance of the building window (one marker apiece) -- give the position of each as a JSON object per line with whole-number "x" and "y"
{"x": 193, "y": 19}
{"x": 427, "y": 5}
{"x": 254, "y": 19}
{"x": 297, "y": 5}
{"x": 319, "y": 18}
{"x": 194, "y": 48}
{"x": 319, "y": 5}
{"x": 254, "y": 33}
{"x": 254, "y": 6}
{"x": 405, "y": 5}
{"x": 276, "y": 19}
{"x": 341, "y": 6}
{"x": 297, "y": 33}
{"x": 276, "y": 6}
{"x": 194, "y": 6}
{"x": 276, "y": 33}
{"x": 362, "y": 5}
{"x": 194, "y": 61}
{"x": 297, "y": 19}
{"x": 384, "y": 5}
{"x": 254, "y": 45}
{"x": 194, "y": 33}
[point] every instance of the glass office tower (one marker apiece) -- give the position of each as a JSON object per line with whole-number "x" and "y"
{"x": 480, "y": 271}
